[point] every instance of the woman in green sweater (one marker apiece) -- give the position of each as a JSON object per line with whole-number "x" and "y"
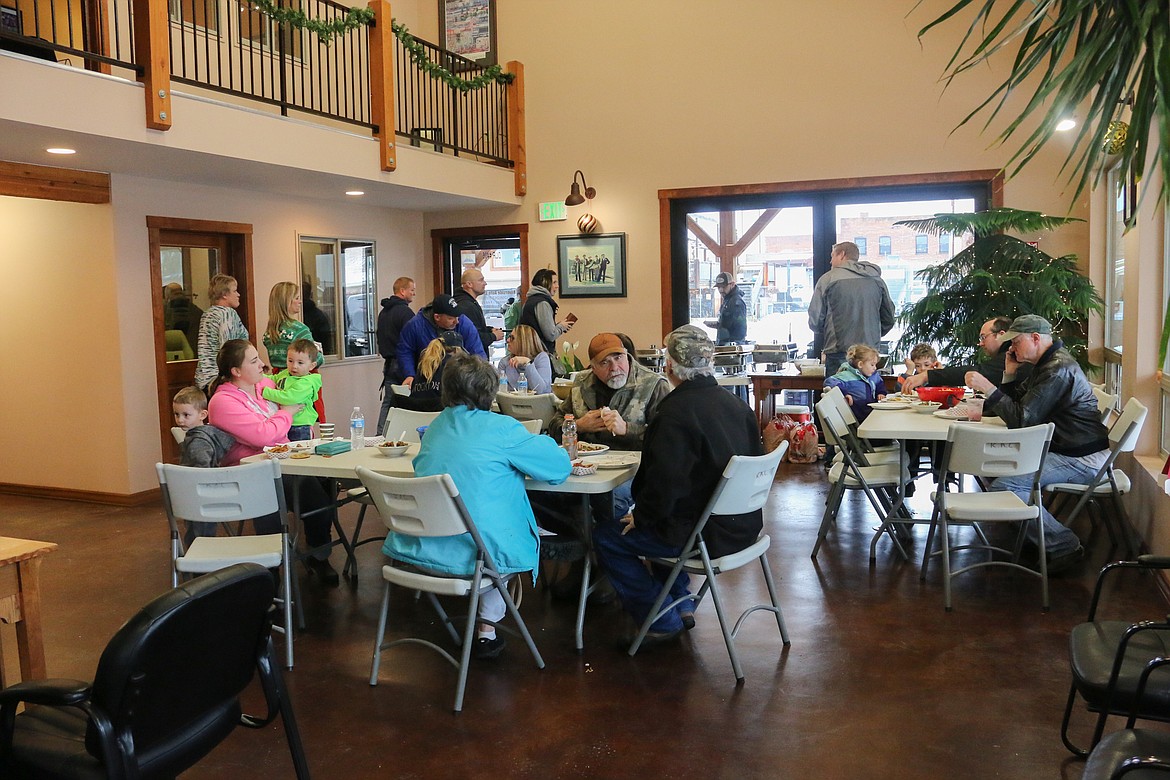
{"x": 284, "y": 307}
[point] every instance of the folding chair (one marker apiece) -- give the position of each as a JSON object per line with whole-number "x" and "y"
{"x": 875, "y": 455}
{"x": 227, "y": 495}
{"x": 1109, "y": 482}
{"x": 744, "y": 487}
{"x": 1106, "y": 402}
{"x": 402, "y": 423}
{"x": 532, "y": 426}
{"x": 166, "y": 691}
{"x": 528, "y": 407}
{"x": 432, "y": 507}
{"x": 1108, "y": 660}
{"x": 879, "y": 482}
{"x": 988, "y": 452}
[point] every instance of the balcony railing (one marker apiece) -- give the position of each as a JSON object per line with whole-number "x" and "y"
{"x": 229, "y": 47}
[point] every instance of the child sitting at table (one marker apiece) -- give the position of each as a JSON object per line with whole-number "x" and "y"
{"x": 859, "y": 380}
{"x": 922, "y": 358}
{"x": 203, "y": 445}
{"x": 298, "y": 385}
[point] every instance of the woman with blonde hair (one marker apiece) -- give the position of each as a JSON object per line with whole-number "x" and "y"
{"x": 426, "y": 390}
{"x": 218, "y": 325}
{"x": 284, "y": 307}
{"x": 526, "y": 355}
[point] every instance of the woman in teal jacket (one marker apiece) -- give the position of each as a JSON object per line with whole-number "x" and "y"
{"x": 488, "y": 456}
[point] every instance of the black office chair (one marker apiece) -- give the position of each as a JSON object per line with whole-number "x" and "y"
{"x": 166, "y": 691}
{"x": 1133, "y": 753}
{"x": 1108, "y": 658}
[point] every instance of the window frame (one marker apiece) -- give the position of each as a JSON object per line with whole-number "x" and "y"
{"x": 885, "y": 246}
{"x": 343, "y": 335}
{"x": 862, "y": 245}
{"x": 921, "y": 244}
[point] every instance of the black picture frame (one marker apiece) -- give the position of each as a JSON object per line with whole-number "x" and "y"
{"x": 592, "y": 265}
{"x": 468, "y": 28}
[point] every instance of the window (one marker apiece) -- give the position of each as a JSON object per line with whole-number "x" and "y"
{"x": 944, "y": 244}
{"x": 1165, "y": 386}
{"x": 885, "y": 247}
{"x": 338, "y": 289}
{"x": 921, "y": 244}
{"x": 259, "y": 28}
{"x": 201, "y": 13}
{"x": 861, "y": 244}
{"x": 1115, "y": 262}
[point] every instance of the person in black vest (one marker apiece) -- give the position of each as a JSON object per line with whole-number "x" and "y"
{"x": 395, "y": 314}
{"x": 471, "y": 286}
{"x": 540, "y": 311}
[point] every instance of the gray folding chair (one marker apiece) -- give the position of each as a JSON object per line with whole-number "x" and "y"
{"x": 402, "y": 423}
{"x": 432, "y": 507}
{"x": 1110, "y": 482}
{"x": 227, "y": 495}
{"x": 744, "y": 487}
{"x": 528, "y": 407}
{"x": 988, "y": 452}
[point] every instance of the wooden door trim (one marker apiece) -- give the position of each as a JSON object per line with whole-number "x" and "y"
{"x": 440, "y": 235}
{"x": 239, "y": 241}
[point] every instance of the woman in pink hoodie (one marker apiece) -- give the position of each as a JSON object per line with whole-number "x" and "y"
{"x": 238, "y": 407}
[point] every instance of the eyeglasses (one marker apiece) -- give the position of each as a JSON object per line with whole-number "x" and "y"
{"x": 985, "y": 336}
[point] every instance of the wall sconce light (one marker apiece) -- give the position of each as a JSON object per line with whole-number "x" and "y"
{"x": 575, "y": 198}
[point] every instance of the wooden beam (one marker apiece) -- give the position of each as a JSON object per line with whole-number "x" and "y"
{"x": 382, "y": 85}
{"x": 23, "y": 180}
{"x": 750, "y": 234}
{"x": 818, "y": 185}
{"x": 702, "y": 235}
{"x": 152, "y": 30}
{"x": 516, "y": 138}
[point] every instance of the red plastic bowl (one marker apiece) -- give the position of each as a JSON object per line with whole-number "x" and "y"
{"x": 947, "y": 396}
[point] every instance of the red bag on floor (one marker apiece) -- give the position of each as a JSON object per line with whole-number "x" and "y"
{"x": 802, "y": 443}
{"x": 775, "y": 432}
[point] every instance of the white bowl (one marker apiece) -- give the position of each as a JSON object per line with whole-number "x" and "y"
{"x": 927, "y": 407}
{"x": 391, "y": 451}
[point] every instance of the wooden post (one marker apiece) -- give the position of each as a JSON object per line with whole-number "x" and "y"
{"x": 382, "y": 84}
{"x": 516, "y": 141}
{"x": 152, "y": 30}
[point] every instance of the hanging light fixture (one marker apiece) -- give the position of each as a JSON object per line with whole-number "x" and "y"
{"x": 575, "y": 198}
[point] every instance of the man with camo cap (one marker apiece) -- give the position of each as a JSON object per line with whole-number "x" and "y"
{"x": 693, "y": 434}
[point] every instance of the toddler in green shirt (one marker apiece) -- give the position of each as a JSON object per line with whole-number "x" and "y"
{"x": 298, "y": 385}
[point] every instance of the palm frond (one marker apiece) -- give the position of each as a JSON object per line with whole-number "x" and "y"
{"x": 985, "y": 223}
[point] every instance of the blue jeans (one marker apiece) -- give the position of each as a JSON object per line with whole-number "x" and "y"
{"x": 1058, "y": 538}
{"x": 300, "y": 432}
{"x": 833, "y": 361}
{"x": 636, "y": 587}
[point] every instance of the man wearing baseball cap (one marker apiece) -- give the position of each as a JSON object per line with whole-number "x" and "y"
{"x": 1056, "y": 391}
{"x": 695, "y": 431}
{"x": 732, "y": 323}
{"x": 440, "y": 316}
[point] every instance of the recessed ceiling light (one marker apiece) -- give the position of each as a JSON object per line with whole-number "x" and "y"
{"x": 1065, "y": 125}
{"x": 61, "y": 150}
{"x": 354, "y": 192}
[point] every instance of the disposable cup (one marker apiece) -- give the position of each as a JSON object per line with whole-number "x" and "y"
{"x": 975, "y": 409}
{"x": 327, "y": 430}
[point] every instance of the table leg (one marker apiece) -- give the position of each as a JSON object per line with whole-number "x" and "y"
{"x": 30, "y": 636}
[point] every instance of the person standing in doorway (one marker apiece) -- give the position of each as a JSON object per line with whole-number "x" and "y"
{"x": 850, "y": 305}
{"x": 471, "y": 286}
{"x": 732, "y": 327}
{"x": 218, "y": 325}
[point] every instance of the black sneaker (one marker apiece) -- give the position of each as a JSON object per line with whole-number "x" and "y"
{"x": 1061, "y": 563}
{"x": 323, "y": 570}
{"x": 485, "y": 648}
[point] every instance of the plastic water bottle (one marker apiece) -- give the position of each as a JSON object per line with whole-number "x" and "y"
{"x": 569, "y": 436}
{"x": 357, "y": 429}
{"x": 503, "y": 381}
{"x": 522, "y": 384}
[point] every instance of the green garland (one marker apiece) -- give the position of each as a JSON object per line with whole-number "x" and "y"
{"x": 360, "y": 17}
{"x": 325, "y": 31}
{"x": 493, "y": 75}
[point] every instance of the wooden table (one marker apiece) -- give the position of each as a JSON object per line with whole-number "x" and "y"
{"x": 766, "y": 384}
{"x": 20, "y": 602}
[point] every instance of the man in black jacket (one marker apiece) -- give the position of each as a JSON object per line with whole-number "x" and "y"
{"x": 395, "y": 313}
{"x": 471, "y": 286}
{"x": 695, "y": 431}
{"x": 1057, "y": 392}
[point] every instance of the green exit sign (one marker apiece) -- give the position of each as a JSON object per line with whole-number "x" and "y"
{"x": 552, "y": 211}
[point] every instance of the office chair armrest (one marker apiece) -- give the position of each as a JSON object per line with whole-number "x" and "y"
{"x": 1139, "y": 763}
{"x": 1144, "y": 562}
{"x": 1154, "y": 561}
{"x": 57, "y": 692}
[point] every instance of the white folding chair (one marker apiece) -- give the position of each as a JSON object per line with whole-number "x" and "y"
{"x": 402, "y": 423}
{"x": 744, "y": 487}
{"x": 532, "y": 426}
{"x": 887, "y": 453}
{"x": 227, "y": 495}
{"x": 432, "y": 507}
{"x": 879, "y": 482}
{"x": 1106, "y": 402}
{"x": 179, "y": 434}
{"x": 528, "y": 407}
{"x": 1110, "y": 482}
{"x": 988, "y": 452}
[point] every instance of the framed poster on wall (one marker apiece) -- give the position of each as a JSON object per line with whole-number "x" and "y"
{"x": 592, "y": 265}
{"x": 468, "y": 28}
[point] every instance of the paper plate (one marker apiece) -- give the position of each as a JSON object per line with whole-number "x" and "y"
{"x": 615, "y": 460}
{"x": 589, "y": 448}
{"x": 890, "y": 405}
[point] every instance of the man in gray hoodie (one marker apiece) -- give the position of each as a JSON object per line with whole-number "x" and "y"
{"x": 850, "y": 305}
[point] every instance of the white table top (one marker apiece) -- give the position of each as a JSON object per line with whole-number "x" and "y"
{"x": 342, "y": 467}
{"x": 911, "y": 424}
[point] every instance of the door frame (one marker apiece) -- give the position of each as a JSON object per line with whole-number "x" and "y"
{"x": 439, "y": 238}
{"x": 239, "y": 241}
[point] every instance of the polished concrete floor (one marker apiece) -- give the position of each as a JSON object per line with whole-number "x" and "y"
{"x": 879, "y": 681}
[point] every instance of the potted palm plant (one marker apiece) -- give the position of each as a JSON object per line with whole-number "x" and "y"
{"x": 997, "y": 275}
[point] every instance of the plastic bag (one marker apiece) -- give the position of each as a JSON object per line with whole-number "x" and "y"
{"x": 802, "y": 443}
{"x": 775, "y": 432}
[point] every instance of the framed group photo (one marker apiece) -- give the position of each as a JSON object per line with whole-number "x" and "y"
{"x": 592, "y": 265}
